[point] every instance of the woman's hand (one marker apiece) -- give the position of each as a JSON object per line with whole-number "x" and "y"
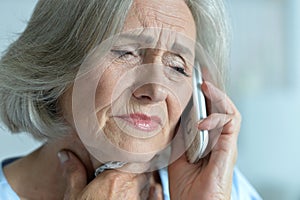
{"x": 109, "y": 185}
{"x": 211, "y": 178}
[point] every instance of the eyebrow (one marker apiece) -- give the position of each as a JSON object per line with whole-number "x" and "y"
{"x": 140, "y": 38}
{"x": 176, "y": 47}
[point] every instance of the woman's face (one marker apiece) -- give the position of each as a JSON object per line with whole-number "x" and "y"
{"x": 134, "y": 93}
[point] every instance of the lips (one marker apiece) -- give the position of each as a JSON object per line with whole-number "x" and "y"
{"x": 142, "y": 122}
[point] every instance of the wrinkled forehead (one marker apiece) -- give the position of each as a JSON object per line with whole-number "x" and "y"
{"x": 162, "y": 23}
{"x": 158, "y": 38}
{"x": 170, "y": 14}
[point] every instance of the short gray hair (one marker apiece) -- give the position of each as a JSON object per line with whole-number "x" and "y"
{"x": 43, "y": 62}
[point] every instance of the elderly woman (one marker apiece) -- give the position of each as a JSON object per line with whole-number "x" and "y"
{"x": 102, "y": 81}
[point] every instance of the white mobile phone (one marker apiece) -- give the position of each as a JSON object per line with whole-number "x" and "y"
{"x": 196, "y": 141}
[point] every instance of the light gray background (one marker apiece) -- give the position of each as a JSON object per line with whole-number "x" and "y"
{"x": 264, "y": 83}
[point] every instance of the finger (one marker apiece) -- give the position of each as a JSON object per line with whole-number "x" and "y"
{"x": 214, "y": 121}
{"x": 224, "y": 154}
{"x": 220, "y": 124}
{"x": 223, "y": 123}
{"x": 115, "y": 184}
{"x": 218, "y": 101}
{"x": 206, "y": 74}
{"x": 233, "y": 126}
{"x": 74, "y": 172}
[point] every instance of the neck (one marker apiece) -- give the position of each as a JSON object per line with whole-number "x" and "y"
{"x": 40, "y": 171}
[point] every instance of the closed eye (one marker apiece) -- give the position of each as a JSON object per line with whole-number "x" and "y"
{"x": 180, "y": 70}
{"x": 127, "y": 57}
{"x": 124, "y": 53}
{"x": 176, "y": 62}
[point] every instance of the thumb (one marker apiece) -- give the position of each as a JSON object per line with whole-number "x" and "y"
{"x": 74, "y": 173}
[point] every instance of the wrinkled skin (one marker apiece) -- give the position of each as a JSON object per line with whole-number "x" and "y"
{"x": 71, "y": 176}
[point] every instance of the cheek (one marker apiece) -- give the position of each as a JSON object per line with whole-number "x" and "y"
{"x": 106, "y": 87}
{"x": 174, "y": 112}
{"x": 177, "y": 103}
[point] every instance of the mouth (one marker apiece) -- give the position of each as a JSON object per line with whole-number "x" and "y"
{"x": 141, "y": 121}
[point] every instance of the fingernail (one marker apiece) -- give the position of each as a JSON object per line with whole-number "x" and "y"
{"x": 199, "y": 122}
{"x": 207, "y": 82}
{"x": 205, "y": 86}
{"x": 62, "y": 156}
{"x": 202, "y": 126}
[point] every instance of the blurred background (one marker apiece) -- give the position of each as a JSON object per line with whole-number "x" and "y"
{"x": 264, "y": 84}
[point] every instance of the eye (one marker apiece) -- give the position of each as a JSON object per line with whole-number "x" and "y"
{"x": 180, "y": 70}
{"x": 127, "y": 56}
{"x": 176, "y": 63}
{"x": 123, "y": 54}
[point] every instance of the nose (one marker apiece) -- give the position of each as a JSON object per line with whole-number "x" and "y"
{"x": 151, "y": 93}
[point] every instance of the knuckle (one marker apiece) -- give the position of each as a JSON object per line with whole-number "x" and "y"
{"x": 112, "y": 176}
{"x": 216, "y": 116}
{"x": 116, "y": 179}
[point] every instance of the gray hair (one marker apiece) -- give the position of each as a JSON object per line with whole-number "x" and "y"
{"x": 43, "y": 62}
